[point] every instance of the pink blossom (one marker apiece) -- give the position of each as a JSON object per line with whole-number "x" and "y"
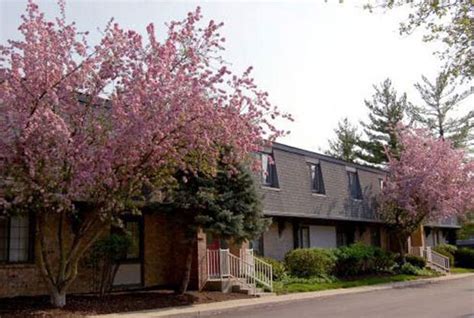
{"x": 428, "y": 181}
{"x": 95, "y": 123}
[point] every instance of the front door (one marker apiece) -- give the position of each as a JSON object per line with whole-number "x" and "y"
{"x": 213, "y": 242}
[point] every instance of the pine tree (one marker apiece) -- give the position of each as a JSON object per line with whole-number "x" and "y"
{"x": 387, "y": 111}
{"x": 226, "y": 205}
{"x": 441, "y": 101}
{"x": 343, "y": 146}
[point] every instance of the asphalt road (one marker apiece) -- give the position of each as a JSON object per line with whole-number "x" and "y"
{"x": 454, "y": 298}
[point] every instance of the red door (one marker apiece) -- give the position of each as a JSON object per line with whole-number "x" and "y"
{"x": 213, "y": 256}
{"x": 213, "y": 243}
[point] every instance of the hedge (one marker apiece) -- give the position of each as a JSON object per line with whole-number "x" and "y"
{"x": 310, "y": 262}
{"x": 358, "y": 259}
{"x": 414, "y": 260}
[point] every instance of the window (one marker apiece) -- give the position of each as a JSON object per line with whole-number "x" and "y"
{"x": 375, "y": 236}
{"x": 354, "y": 185}
{"x": 269, "y": 172}
{"x": 15, "y": 240}
{"x": 257, "y": 246}
{"x": 345, "y": 236}
{"x": 3, "y": 239}
{"x": 341, "y": 239}
{"x": 304, "y": 237}
{"x": 435, "y": 237}
{"x": 134, "y": 230}
{"x": 317, "y": 183}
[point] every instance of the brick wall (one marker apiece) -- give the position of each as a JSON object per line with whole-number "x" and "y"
{"x": 16, "y": 280}
{"x": 26, "y": 279}
{"x": 277, "y": 242}
{"x": 163, "y": 264}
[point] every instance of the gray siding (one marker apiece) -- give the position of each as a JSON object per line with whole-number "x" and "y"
{"x": 294, "y": 196}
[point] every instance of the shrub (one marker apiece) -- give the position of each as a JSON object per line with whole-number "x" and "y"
{"x": 427, "y": 272}
{"x": 446, "y": 250}
{"x": 104, "y": 260}
{"x": 409, "y": 269}
{"x": 359, "y": 258}
{"x": 464, "y": 257}
{"x": 278, "y": 268}
{"x": 417, "y": 261}
{"x": 447, "y": 247}
{"x": 309, "y": 262}
{"x": 383, "y": 260}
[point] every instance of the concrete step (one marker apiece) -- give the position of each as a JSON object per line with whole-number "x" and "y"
{"x": 247, "y": 290}
{"x": 240, "y": 288}
{"x": 437, "y": 268}
{"x": 237, "y": 288}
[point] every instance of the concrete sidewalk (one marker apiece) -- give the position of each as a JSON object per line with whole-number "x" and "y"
{"x": 222, "y": 307}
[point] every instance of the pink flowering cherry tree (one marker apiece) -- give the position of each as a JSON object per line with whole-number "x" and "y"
{"x": 85, "y": 128}
{"x": 428, "y": 180}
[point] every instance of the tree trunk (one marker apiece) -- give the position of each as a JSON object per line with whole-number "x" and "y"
{"x": 188, "y": 265}
{"x": 104, "y": 279}
{"x": 58, "y": 298}
{"x": 60, "y": 273}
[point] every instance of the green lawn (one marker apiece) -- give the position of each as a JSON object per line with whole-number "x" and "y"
{"x": 281, "y": 288}
{"x": 460, "y": 270}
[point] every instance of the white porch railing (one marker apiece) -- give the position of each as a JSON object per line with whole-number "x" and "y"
{"x": 263, "y": 273}
{"x": 246, "y": 269}
{"x": 439, "y": 259}
{"x": 433, "y": 259}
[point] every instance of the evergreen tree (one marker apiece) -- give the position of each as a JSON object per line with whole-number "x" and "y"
{"x": 226, "y": 205}
{"x": 441, "y": 101}
{"x": 387, "y": 111}
{"x": 343, "y": 146}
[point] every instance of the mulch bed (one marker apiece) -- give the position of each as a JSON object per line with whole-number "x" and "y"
{"x": 82, "y": 305}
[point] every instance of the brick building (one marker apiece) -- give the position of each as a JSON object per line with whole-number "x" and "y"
{"x": 155, "y": 259}
{"x": 314, "y": 201}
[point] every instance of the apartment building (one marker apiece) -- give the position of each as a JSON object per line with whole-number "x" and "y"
{"x": 319, "y": 201}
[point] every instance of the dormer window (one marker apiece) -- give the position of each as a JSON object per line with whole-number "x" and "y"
{"x": 269, "y": 172}
{"x": 354, "y": 185}
{"x": 317, "y": 183}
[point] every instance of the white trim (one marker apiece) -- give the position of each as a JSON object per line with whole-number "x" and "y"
{"x": 270, "y": 188}
{"x": 312, "y": 160}
{"x": 351, "y": 169}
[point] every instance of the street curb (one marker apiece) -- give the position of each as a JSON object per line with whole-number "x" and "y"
{"x": 252, "y": 303}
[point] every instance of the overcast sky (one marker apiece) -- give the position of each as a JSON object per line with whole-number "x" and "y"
{"x": 317, "y": 60}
